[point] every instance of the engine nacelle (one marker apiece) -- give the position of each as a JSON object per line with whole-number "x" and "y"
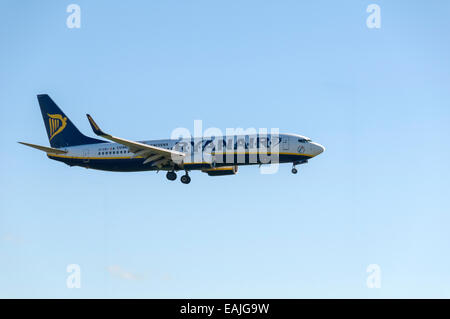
{"x": 221, "y": 171}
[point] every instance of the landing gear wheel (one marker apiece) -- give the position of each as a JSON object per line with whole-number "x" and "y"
{"x": 171, "y": 176}
{"x": 185, "y": 179}
{"x": 294, "y": 170}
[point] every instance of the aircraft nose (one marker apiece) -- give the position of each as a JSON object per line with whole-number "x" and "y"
{"x": 317, "y": 148}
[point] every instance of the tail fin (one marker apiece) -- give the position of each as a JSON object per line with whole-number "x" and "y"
{"x": 60, "y": 129}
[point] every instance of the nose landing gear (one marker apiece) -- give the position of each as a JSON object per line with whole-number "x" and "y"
{"x": 294, "y": 170}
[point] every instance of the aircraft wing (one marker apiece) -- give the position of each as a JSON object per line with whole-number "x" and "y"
{"x": 157, "y": 156}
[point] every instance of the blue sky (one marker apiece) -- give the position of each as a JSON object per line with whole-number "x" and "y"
{"x": 377, "y": 99}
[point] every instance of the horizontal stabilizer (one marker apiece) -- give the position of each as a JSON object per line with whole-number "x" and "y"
{"x": 45, "y": 149}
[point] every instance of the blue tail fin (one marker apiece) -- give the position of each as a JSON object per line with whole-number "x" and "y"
{"x": 60, "y": 130}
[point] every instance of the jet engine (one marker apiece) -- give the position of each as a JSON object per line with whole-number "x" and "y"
{"x": 221, "y": 171}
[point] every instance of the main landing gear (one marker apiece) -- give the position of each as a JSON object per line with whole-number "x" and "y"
{"x": 185, "y": 179}
{"x": 171, "y": 176}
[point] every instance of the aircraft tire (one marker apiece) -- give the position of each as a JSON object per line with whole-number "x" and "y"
{"x": 185, "y": 179}
{"x": 171, "y": 176}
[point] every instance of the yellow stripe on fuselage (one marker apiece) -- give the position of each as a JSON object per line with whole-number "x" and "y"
{"x": 130, "y": 157}
{"x": 258, "y": 153}
{"x": 103, "y": 158}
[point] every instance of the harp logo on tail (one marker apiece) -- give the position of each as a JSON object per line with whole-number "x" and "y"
{"x": 56, "y": 123}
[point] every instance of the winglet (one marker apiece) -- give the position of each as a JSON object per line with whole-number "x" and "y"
{"x": 94, "y": 126}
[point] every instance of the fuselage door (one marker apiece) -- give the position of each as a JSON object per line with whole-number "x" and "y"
{"x": 85, "y": 156}
{"x": 285, "y": 143}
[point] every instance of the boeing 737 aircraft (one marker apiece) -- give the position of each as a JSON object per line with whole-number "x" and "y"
{"x": 215, "y": 156}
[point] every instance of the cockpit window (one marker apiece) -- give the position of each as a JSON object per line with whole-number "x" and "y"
{"x": 304, "y": 140}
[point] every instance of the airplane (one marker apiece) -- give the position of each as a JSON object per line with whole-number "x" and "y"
{"x": 220, "y": 156}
